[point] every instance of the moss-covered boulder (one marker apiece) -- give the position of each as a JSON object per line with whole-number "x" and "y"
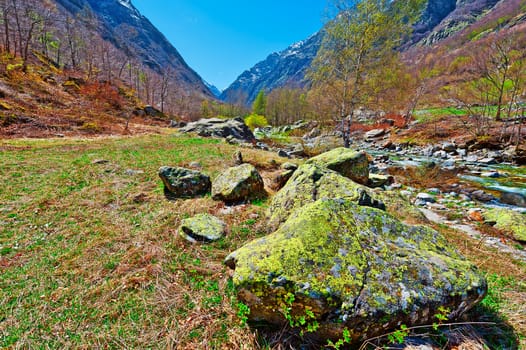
{"x": 337, "y": 267}
{"x": 202, "y": 228}
{"x": 310, "y": 183}
{"x": 184, "y": 183}
{"x": 238, "y": 184}
{"x": 509, "y": 221}
{"x": 349, "y": 163}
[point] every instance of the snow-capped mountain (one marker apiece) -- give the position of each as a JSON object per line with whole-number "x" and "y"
{"x": 214, "y": 89}
{"x": 285, "y": 68}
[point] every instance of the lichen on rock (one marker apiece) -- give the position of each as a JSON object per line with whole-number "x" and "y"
{"x": 238, "y": 184}
{"x": 353, "y": 267}
{"x": 184, "y": 183}
{"x": 509, "y": 221}
{"x": 310, "y": 183}
{"x": 351, "y": 164}
{"x": 202, "y": 228}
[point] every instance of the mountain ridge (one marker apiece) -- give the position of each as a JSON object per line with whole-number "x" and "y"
{"x": 441, "y": 19}
{"x": 126, "y": 28}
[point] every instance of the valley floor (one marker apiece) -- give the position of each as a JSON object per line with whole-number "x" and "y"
{"x": 90, "y": 256}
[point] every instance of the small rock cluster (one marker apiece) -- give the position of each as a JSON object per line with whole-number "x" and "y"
{"x": 235, "y": 185}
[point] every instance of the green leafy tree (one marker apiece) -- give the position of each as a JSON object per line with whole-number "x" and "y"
{"x": 260, "y": 103}
{"x": 364, "y": 34}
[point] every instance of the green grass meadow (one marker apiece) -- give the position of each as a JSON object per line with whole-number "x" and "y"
{"x": 89, "y": 254}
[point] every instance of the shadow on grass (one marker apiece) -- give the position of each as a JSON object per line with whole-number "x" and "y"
{"x": 481, "y": 328}
{"x": 499, "y": 335}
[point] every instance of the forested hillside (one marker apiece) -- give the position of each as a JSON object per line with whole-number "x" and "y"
{"x": 80, "y": 66}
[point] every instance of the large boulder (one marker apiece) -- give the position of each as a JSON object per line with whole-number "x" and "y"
{"x": 234, "y": 128}
{"x": 336, "y": 266}
{"x": 349, "y": 163}
{"x": 184, "y": 183}
{"x": 238, "y": 184}
{"x": 310, "y": 183}
{"x": 202, "y": 228}
{"x": 509, "y": 221}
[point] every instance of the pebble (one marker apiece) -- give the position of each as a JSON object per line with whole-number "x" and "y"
{"x": 195, "y": 165}
{"x": 100, "y": 161}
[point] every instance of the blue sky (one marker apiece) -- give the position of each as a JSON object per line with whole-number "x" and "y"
{"x": 221, "y": 39}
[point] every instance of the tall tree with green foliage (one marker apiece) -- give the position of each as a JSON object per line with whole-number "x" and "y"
{"x": 364, "y": 35}
{"x": 260, "y": 103}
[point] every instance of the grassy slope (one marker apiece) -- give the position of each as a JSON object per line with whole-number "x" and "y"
{"x": 89, "y": 255}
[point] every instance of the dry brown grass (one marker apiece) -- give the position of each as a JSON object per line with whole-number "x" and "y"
{"x": 426, "y": 176}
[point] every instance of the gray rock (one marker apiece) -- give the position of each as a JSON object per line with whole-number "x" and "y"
{"x": 133, "y": 172}
{"x": 406, "y": 193}
{"x": 237, "y": 157}
{"x": 297, "y": 151}
{"x": 313, "y": 133}
{"x": 440, "y": 154}
{"x": 235, "y": 128}
{"x": 231, "y": 140}
{"x": 262, "y": 146}
{"x": 488, "y": 161}
{"x": 377, "y": 180}
{"x": 152, "y": 111}
{"x": 184, "y": 183}
{"x": 350, "y": 266}
{"x": 428, "y": 151}
{"x": 202, "y": 228}
{"x": 491, "y": 174}
{"x": 283, "y": 154}
{"x": 238, "y": 184}
{"x": 351, "y": 164}
{"x": 449, "y": 147}
{"x": 482, "y": 196}
{"x": 423, "y": 198}
{"x": 289, "y": 166}
{"x": 464, "y": 197}
{"x": 433, "y": 190}
{"x": 513, "y": 198}
{"x": 449, "y": 164}
{"x": 373, "y": 134}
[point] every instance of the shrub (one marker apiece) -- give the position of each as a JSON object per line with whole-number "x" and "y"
{"x": 91, "y": 127}
{"x": 104, "y": 93}
{"x": 256, "y": 121}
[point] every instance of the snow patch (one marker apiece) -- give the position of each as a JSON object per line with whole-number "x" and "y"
{"x": 134, "y": 12}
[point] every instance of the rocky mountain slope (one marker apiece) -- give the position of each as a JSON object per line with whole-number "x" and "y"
{"x": 442, "y": 19}
{"x": 125, "y": 27}
{"x": 285, "y": 68}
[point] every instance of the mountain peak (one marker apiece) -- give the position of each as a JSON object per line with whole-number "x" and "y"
{"x": 440, "y": 20}
{"x": 284, "y": 68}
